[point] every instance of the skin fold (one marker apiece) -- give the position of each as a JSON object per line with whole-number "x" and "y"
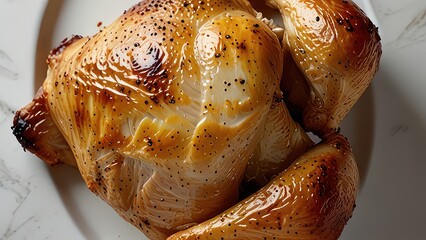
{"x": 283, "y": 140}
{"x": 180, "y": 109}
{"x": 312, "y": 199}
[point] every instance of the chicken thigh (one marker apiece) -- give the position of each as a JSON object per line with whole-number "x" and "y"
{"x": 332, "y": 51}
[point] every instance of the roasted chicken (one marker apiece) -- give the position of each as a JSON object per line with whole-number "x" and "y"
{"x": 179, "y": 108}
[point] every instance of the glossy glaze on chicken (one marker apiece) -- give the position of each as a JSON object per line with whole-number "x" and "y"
{"x": 172, "y": 108}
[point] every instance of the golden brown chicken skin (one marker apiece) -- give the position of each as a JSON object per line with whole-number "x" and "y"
{"x": 163, "y": 108}
{"x": 312, "y": 199}
{"x": 35, "y": 129}
{"x": 332, "y": 51}
{"x": 177, "y": 105}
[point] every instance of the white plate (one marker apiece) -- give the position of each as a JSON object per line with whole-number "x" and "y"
{"x": 387, "y": 128}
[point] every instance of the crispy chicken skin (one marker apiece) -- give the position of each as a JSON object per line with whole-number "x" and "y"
{"x": 35, "y": 129}
{"x": 312, "y": 199}
{"x": 332, "y": 51}
{"x": 163, "y": 109}
{"x": 177, "y": 106}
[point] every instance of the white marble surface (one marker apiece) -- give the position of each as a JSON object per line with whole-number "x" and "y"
{"x": 40, "y": 203}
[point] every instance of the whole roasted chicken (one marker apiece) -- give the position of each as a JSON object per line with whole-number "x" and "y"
{"x": 178, "y": 110}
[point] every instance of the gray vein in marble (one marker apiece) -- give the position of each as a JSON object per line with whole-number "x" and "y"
{"x": 10, "y": 231}
{"x": 13, "y": 183}
{"x": 413, "y": 33}
{"x": 386, "y": 11}
{"x": 8, "y": 68}
{"x": 20, "y": 189}
{"x": 6, "y": 113}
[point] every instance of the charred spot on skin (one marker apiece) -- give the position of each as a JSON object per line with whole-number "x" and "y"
{"x": 338, "y": 145}
{"x": 346, "y": 22}
{"x": 149, "y": 64}
{"x": 149, "y": 61}
{"x": 146, "y": 222}
{"x": 28, "y": 123}
{"x": 20, "y": 126}
{"x": 241, "y": 46}
{"x": 372, "y": 29}
{"x": 62, "y": 46}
